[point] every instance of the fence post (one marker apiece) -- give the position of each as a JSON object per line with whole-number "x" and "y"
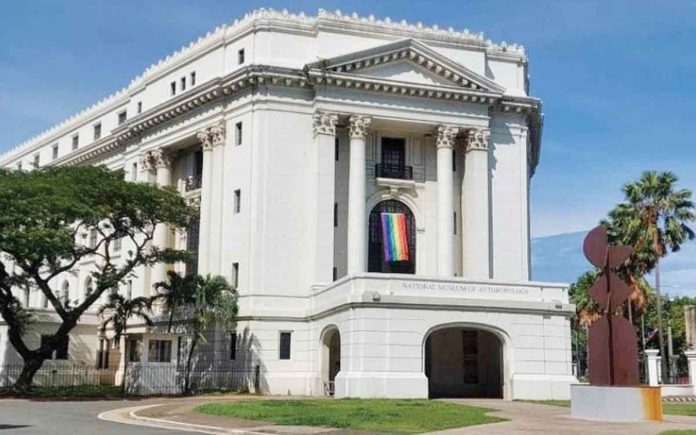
{"x": 691, "y": 365}
{"x": 653, "y": 367}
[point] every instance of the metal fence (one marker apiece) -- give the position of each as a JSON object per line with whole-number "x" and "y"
{"x": 141, "y": 379}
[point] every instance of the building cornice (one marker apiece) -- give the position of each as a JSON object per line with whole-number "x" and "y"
{"x": 255, "y": 75}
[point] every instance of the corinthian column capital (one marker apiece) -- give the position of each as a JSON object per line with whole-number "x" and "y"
{"x": 477, "y": 139}
{"x": 359, "y": 126}
{"x": 446, "y": 136}
{"x": 212, "y": 136}
{"x": 145, "y": 162}
{"x": 160, "y": 158}
{"x": 324, "y": 123}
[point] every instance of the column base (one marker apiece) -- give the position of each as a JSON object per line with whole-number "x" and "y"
{"x": 381, "y": 385}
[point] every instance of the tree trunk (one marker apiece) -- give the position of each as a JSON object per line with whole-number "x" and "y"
{"x": 188, "y": 364}
{"x": 31, "y": 366}
{"x": 663, "y": 354}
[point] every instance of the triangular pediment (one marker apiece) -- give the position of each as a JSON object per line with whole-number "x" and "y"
{"x": 406, "y": 61}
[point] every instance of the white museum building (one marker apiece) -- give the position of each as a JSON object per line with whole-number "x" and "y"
{"x": 364, "y": 183}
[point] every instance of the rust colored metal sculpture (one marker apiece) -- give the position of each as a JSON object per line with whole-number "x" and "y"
{"x": 612, "y": 345}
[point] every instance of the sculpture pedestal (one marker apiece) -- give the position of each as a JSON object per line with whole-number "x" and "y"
{"x": 617, "y": 403}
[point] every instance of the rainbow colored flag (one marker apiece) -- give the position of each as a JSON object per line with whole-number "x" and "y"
{"x": 394, "y": 238}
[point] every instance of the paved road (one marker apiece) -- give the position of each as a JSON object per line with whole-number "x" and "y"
{"x": 73, "y": 418}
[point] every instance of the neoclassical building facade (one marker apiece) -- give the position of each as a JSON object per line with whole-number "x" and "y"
{"x": 364, "y": 184}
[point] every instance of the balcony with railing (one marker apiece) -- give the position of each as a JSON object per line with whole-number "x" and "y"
{"x": 397, "y": 172}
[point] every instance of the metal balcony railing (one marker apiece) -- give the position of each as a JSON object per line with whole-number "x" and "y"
{"x": 399, "y": 172}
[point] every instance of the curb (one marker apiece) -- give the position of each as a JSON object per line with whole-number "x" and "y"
{"x": 130, "y": 416}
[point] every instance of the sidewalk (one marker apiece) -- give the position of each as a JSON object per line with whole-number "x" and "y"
{"x": 524, "y": 418}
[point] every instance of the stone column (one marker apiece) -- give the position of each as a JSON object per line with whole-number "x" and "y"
{"x": 162, "y": 162}
{"x": 209, "y": 137}
{"x": 446, "y": 137}
{"x": 357, "y": 221}
{"x": 653, "y": 367}
{"x": 691, "y": 364}
{"x": 475, "y": 207}
{"x": 321, "y": 197}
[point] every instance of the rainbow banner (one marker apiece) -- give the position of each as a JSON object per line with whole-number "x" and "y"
{"x": 394, "y": 238}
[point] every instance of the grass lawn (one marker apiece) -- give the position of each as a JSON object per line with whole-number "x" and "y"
{"x": 394, "y": 416}
{"x": 671, "y": 408}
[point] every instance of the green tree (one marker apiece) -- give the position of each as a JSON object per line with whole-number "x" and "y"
{"x": 177, "y": 293}
{"x": 207, "y": 301}
{"x": 116, "y": 312}
{"x": 44, "y": 219}
{"x": 654, "y": 220}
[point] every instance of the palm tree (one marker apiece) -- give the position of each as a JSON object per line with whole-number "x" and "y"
{"x": 116, "y": 312}
{"x": 207, "y": 300}
{"x": 653, "y": 219}
{"x": 176, "y": 293}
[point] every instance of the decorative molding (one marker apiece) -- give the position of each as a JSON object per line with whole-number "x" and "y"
{"x": 161, "y": 158}
{"x": 415, "y": 52}
{"x": 446, "y": 136}
{"x": 477, "y": 139}
{"x": 324, "y": 123}
{"x": 359, "y": 126}
{"x": 212, "y": 136}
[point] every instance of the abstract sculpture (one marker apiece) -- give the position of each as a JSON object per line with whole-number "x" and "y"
{"x": 612, "y": 345}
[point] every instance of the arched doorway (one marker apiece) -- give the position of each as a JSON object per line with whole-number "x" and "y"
{"x": 376, "y": 256}
{"x": 331, "y": 359}
{"x": 464, "y": 362}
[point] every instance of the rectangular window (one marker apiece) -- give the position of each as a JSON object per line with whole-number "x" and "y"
{"x": 237, "y": 201}
{"x": 182, "y": 84}
{"x": 37, "y": 160}
{"x": 140, "y": 107}
{"x": 122, "y": 117}
{"x": 235, "y": 275}
{"x": 285, "y": 345}
{"x": 336, "y": 148}
{"x": 335, "y": 214}
{"x": 134, "y": 171}
{"x": 75, "y": 141}
{"x": 61, "y": 351}
{"x": 92, "y": 238}
{"x": 97, "y": 131}
{"x": 172, "y": 88}
{"x": 159, "y": 351}
{"x": 133, "y": 350}
{"x": 193, "y": 78}
{"x": 238, "y": 133}
{"x": 240, "y": 56}
{"x": 233, "y": 345}
{"x": 335, "y": 273}
{"x": 103, "y": 354}
{"x": 55, "y": 151}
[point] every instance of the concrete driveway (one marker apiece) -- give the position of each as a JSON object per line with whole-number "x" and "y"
{"x": 73, "y": 418}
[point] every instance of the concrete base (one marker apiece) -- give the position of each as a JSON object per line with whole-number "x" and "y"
{"x": 619, "y": 404}
{"x": 381, "y": 385}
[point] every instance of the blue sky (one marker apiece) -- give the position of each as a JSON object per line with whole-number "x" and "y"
{"x": 618, "y": 78}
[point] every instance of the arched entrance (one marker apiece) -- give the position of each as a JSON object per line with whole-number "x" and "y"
{"x": 376, "y": 257}
{"x": 464, "y": 362}
{"x": 331, "y": 358}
